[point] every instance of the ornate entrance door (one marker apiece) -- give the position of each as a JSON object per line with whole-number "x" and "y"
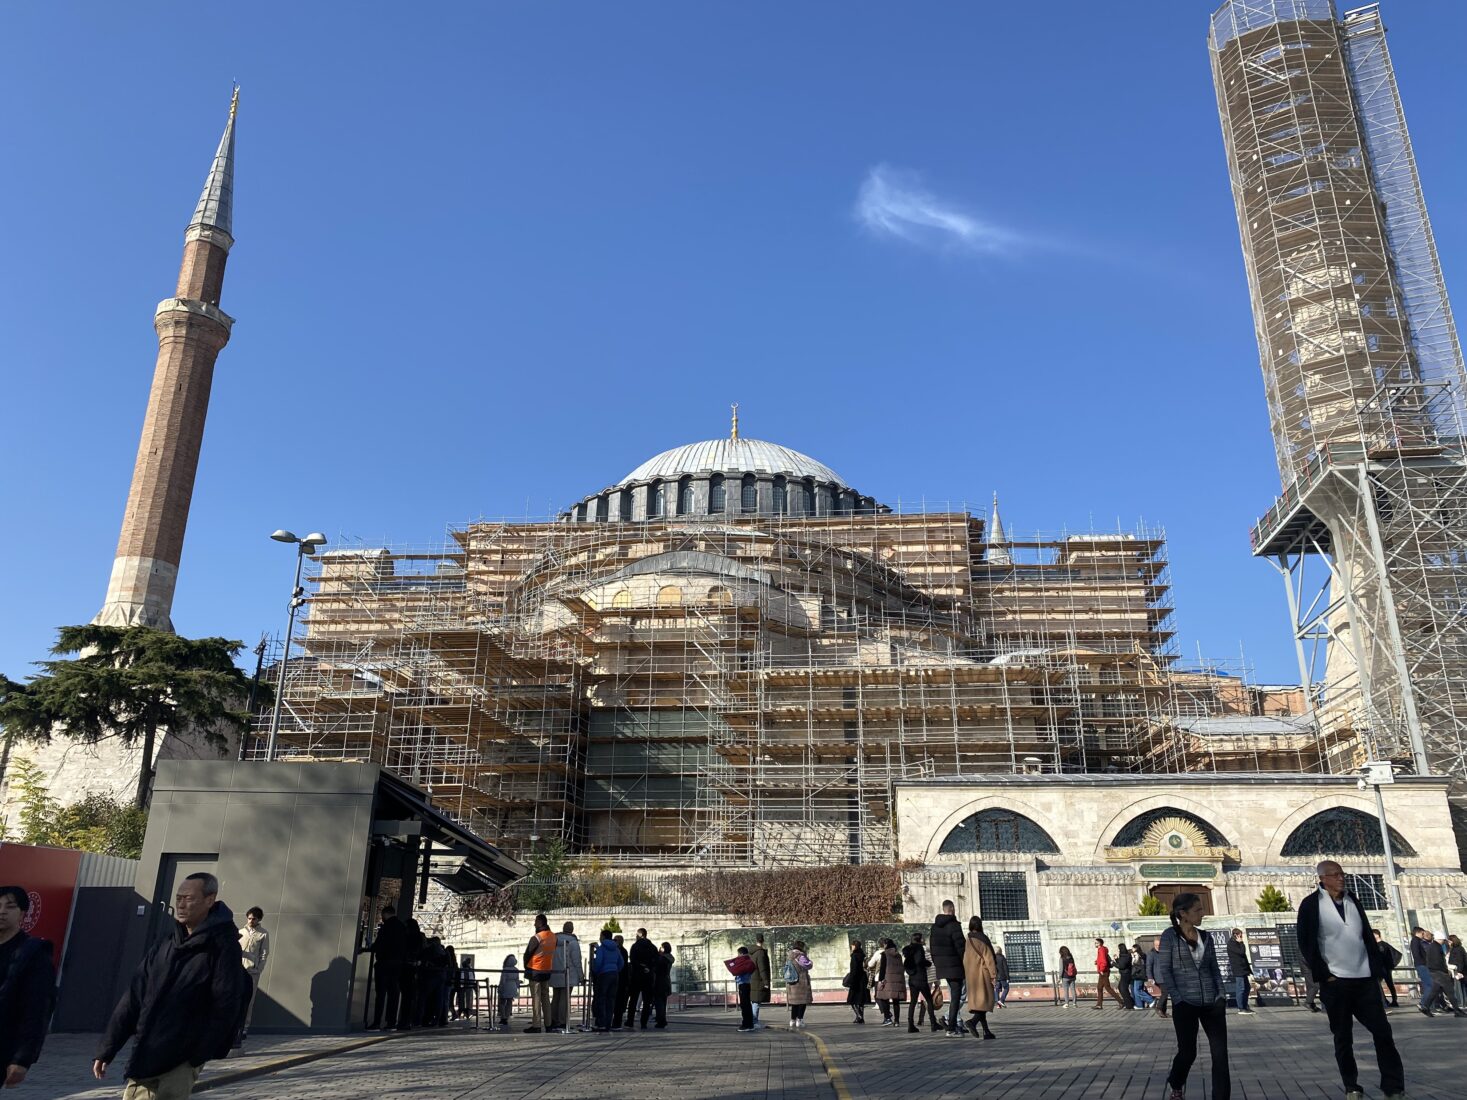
{"x": 1167, "y": 891}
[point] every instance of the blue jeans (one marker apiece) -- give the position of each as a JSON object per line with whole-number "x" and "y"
{"x": 1139, "y": 994}
{"x": 604, "y": 1000}
{"x": 1428, "y": 986}
{"x": 1240, "y": 991}
{"x": 1001, "y": 991}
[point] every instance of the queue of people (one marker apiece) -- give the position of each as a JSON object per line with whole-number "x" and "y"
{"x": 415, "y": 977}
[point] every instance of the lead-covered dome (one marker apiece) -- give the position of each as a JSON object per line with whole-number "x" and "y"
{"x": 743, "y": 456}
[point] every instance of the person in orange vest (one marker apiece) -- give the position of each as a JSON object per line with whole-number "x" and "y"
{"x": 539, "y": 960}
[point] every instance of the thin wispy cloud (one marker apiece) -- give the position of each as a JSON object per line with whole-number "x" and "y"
{"x": 892, "y": 203}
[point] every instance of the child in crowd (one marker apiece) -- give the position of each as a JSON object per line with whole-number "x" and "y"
{"x": 509, "y": 989}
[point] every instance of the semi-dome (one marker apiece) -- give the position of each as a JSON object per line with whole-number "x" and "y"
{"x": 742, "y": 456}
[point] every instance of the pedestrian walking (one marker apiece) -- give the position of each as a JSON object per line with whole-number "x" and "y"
{"x": 566, "y": 976}
{"x": 797, "y": 991}
{"x": 450, "y": 986}
{"x": 761, "y": 987}
{"x": 539, "y": 961}
{"x": 1441, "y": 975}
{"x": 1103, "y": 967}
{"x": 1420, "y": 947}
{"x": 1187, "y": 969}
{"x": 948, "y": 942}
{"x": 1157, "y": 990}
{"x": 27, "y": 986}
{"x": 607, "y": 963}
{"x": 1336, "y": 941}
{"x": 857, "y": 983}
{"x": 1311, "y": 987}
{"x": 1390, "y": 958}
{"x": 919, "y": 990}
{"x": 507, "y": 990}
{"x": 891, "y": 984}
{"x": 1001, "y": 978}
{"x": 980, "y": 971}
{"x": 254, "y": 950}
{"x": 662, "y": 986}
{"x": 1139, "y": 994}
{"x": 186, "y": 999}
{"x": 741, "y": 966}
{"x": 1457, "y": 964}
{"x": 1121, "y": 959}
{"x": 389, "y": 950}
{"x": 641, "y": 977}
{"x": 1069, "y": 974}
{"x": 1241, "y": 969}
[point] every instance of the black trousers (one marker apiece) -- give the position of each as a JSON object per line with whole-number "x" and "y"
{"x": 955, "y": 1003}
{"x": 746, "y": 1008}
{"x": 1186, "y": 1018}
{"x": 635, "y": 991}
{"x": 1123, "y": 987}
{"x": 388, "y": 993}
{"x": 1347, "y": 1000}
{"x": 916, "y": 992}
{"x": 1391, "y": 986}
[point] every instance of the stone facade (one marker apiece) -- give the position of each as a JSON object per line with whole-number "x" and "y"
{"x": 1088, "y": 873}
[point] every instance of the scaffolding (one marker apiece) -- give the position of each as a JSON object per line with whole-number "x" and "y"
{"x": 734, "y": 690}
{"x": 1364, "y": 376}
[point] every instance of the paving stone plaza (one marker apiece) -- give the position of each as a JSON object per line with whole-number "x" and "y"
{"x": 1041, "y": 1052}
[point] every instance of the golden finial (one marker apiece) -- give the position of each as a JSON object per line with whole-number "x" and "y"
{"x": 234, "y": 102}
{"x": 735, "y": 433}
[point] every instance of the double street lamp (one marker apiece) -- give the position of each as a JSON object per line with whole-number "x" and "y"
{"x": 304, "y": 548}
{"x": 1376, "y": 774}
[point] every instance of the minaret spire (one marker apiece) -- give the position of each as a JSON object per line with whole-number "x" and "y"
{"x": 734, "y": 432}
{"x": 998, "y": 552}
{"x": 192, "y": 330}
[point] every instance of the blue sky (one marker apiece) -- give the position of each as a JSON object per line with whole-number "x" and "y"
{"x": 492, "y": 256}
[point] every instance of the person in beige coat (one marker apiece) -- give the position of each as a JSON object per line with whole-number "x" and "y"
{"x": 797, "y": 994}
{"x": 979, "y": 970}
{"x": 254, "y": 949}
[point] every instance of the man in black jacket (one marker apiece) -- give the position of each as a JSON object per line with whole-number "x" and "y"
{"x": 1390, "y": 958}
{"x": 948, "y": 941}
{"x": 1338, "y": 946}
{"x": 389, "y": 948}
{"x": 186, "y": 1000}
{"x": 641, "y": 977}
{"x": 27, "y": 983}
{"x": 1241, "y": 969}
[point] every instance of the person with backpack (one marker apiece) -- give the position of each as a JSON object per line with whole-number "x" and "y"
{"x": 1187, "y": 969}
{"x": 741, "y": 966}
{"x": 1121, "y": 960}
{"x": 607, "y": 963}
{"x": 919, "y": 991}
{"x": 189, "y": 994}
{"x": 1103, "y": 967}
{"x": 27, "y": 988}
{"x": 1000, "y": 978}
{"x": 1069, "y": 973}
{"x": 798, "y": 993}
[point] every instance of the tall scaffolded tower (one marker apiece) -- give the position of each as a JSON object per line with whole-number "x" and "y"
{"x": 1364, "y": 377}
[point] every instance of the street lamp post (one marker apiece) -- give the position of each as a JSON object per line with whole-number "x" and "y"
{"x": 1374, "y": 775}
{"x": 304, "y": 547}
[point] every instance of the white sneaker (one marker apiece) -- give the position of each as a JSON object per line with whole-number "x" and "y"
{"x": 792, "y": 1025}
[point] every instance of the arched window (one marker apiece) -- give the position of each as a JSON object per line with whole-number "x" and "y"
{"x": 809, "y": 496}
{"x": 669, "y": 595}
{"x": 622, "y": 598}
{"x": 684, "y": 495}
{"x": 603, "y": 509}
{"x": 626, "y": 506}
{"x": 720, "y": 596}
{"x": 1134, "y": 831}
{"x": 1342, "y": 832}
{"x": 781, "y": 495}
{"x": 656, "y": 500}
{"x": 749, "y": 494}
{"x": 715, "y": 494}
{"x": 998, "y": 831}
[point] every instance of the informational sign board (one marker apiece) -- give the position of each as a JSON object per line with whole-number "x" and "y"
{"x": 48, "y": 875}
{"x": 1266, "y": 953}
{"x": 1220, "y": 937}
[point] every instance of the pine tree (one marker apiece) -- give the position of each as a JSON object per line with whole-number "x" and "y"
{"x": 1273, "y": 900}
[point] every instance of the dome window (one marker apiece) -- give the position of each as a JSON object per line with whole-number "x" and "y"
{"x": 684, "y": 496}
{"x": 656, "y": 500}
{"x": 781, "y": 496}
{"x": 716, "y": 494}
{"x": 749, "y": 494}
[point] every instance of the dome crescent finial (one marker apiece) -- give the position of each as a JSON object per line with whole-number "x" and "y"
{"x": 734, "y": 433}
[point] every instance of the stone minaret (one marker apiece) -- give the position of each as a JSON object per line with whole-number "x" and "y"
{"x": 191, "y": 331}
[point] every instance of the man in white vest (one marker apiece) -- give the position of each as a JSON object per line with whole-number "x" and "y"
{"x": 1338, "y": 947}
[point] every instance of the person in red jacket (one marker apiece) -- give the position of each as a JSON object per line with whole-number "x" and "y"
{"x": 1102, "y": 982}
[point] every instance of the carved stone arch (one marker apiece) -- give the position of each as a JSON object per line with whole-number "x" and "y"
{"x": 933, "y": 850}
{"x": 1341, "y": 800}
{"x": 1144, "y": 804}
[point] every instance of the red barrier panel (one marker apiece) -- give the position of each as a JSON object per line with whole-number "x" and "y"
{"x": 49, "y": 876}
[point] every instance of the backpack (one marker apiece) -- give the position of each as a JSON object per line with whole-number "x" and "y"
{"x": 790, "y": 973}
